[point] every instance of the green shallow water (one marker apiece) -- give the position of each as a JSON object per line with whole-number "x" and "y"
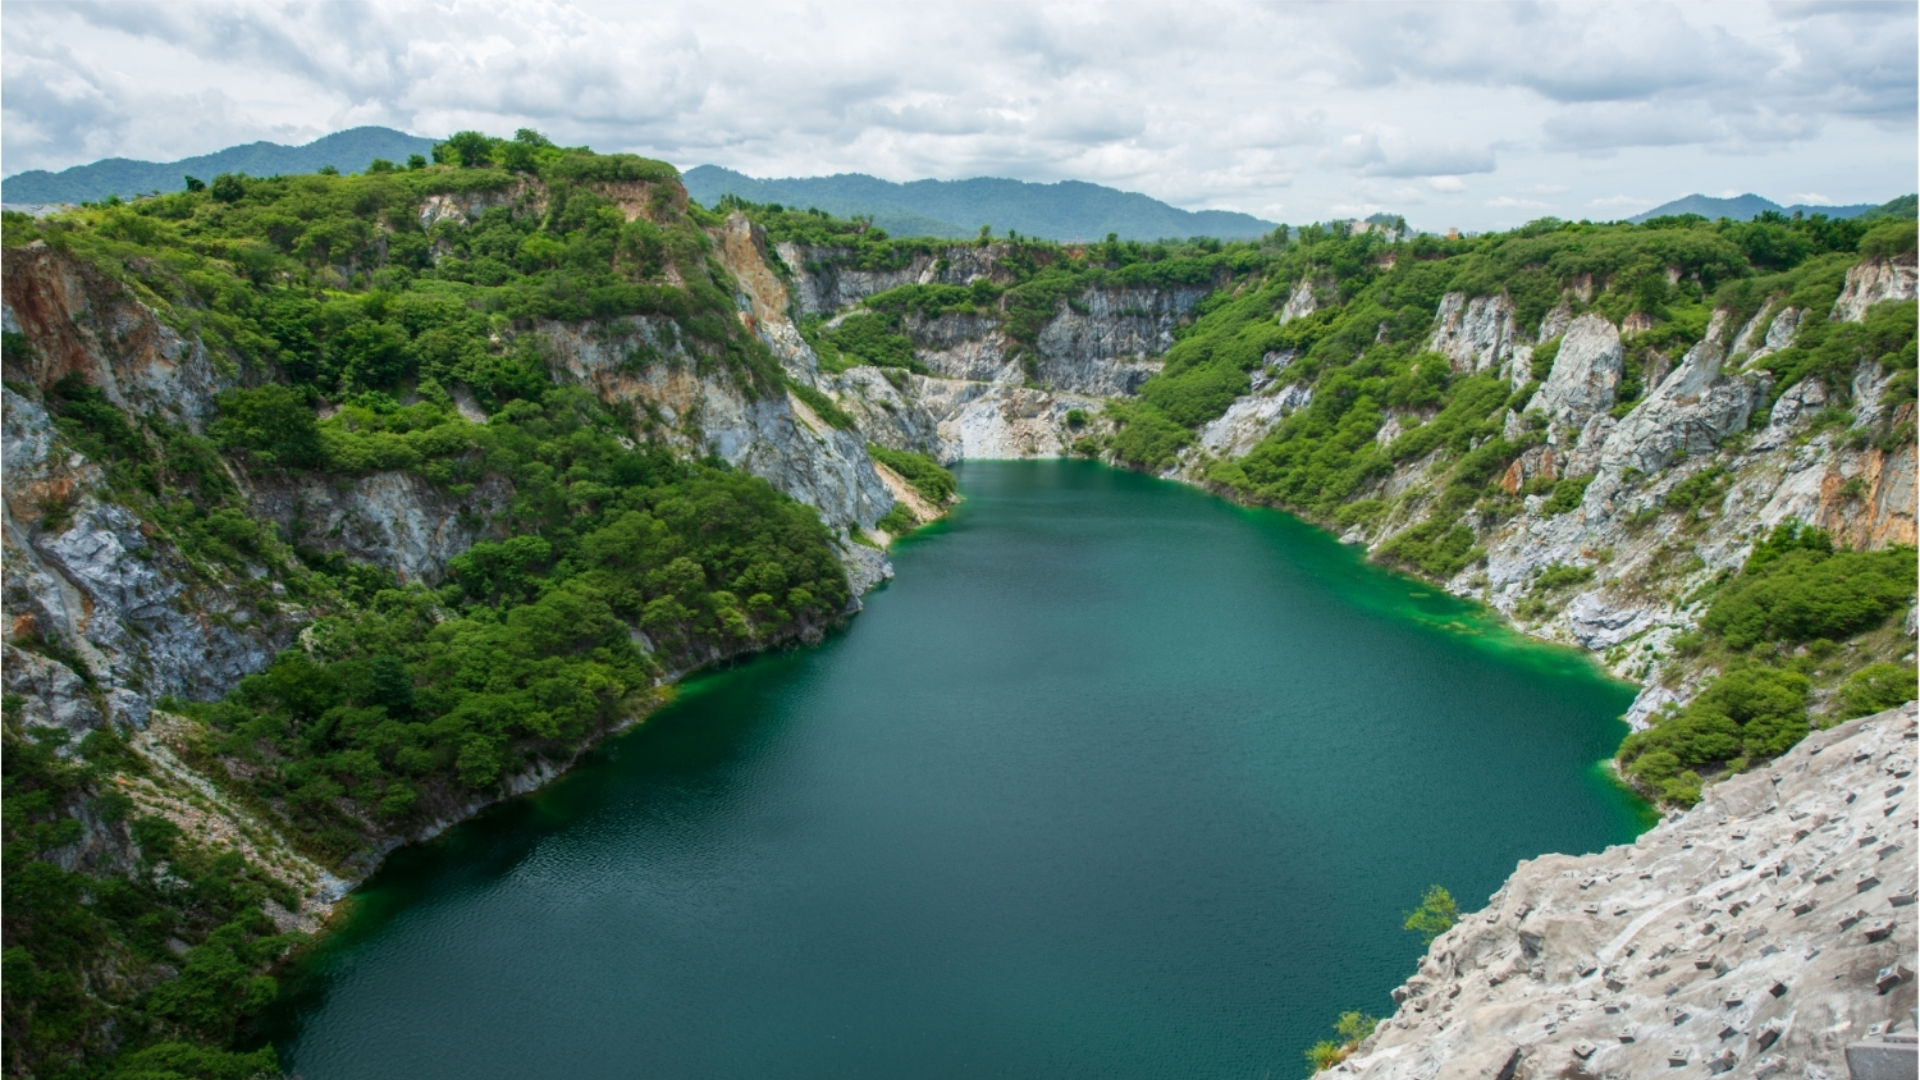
{"x": 1114, "y": 780}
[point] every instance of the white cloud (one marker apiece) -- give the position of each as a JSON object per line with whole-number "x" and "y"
{"x": 1811, "y": 198}
{"x": 1217, "y": 105}
{"x": 1509, "y": 202}
{"x": 1621, "y": 202}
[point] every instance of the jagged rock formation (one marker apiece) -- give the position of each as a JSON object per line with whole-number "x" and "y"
{"x": 1477, "y": 334}
{"x": 80, "y": 569}
{"x": 1876, "y": 280}
{"x": 1761, "y": 933}
{"x": 1586, "y": 373}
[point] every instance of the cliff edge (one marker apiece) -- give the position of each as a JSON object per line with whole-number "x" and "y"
{"x": 1769, "y": 931}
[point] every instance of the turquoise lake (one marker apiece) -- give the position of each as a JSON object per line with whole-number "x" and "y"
{"x": 1115, "y": 779}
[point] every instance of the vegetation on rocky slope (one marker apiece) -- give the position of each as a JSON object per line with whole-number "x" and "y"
{"x": 350, "y": 322}
{"x": 399, "y": 321}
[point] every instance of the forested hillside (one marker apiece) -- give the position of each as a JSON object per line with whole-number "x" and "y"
{"x": 346, "y": 337}
{"x": 341, "y": 505}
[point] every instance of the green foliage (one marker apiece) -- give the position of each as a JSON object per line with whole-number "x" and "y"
{"x": 272, "y": 424}
{"x": 1703, "y": 490}
{"x": 935, "y": 484}
{"x": 1352, "y": 1028}
{"x": 1435, "y": 916}
{"x": 1751, "y": 712}
{"x": 1794, "y": 590}
{"x": 1876, "y": 687}
{"x": 413, "y": 698}
{"x": 86, "y": 953}
{"x": 1560, "y": 576}
{"x": 872, "y": 339}
{"x": 1805, "y": 593}
{"x": 1831, "y": 351}
{"x": 1146, "y": 438}
{"x": 898, "y": 521}
{"x": 1566, "y": 495}
{"x": 822, "y": 405}
{"x": 1435, "y": 547}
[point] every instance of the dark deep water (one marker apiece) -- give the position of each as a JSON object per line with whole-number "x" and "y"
{"x": 1114, "y": 780}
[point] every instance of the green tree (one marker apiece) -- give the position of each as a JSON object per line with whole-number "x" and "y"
{"x": 272, "y": 423}
{"x": 1435, "y": 916}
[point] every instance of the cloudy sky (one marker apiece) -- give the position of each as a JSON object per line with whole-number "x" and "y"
{"x": 1479, "y": 115}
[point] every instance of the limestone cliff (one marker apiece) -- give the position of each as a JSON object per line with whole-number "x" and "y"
{"x": 1769, "y": 931}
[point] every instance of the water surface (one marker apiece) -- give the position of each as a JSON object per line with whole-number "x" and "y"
{"x": 1114, "y": 780}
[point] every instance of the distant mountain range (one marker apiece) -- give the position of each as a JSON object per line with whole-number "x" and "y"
{"x": 1749, "y": 206}
{"x": 348, "y": 151}
{"x": 1069, "y": 210}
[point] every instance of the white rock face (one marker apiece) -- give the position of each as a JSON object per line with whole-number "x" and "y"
{"x": 1104, "y": 342}
{"x": 1691, "y": 412}
{"x": 1874, "y": 281}
{"x": 465, "y": 208}
{"x": 963, "y": 346}
{"x": 1779, "y": 335}
{"x": 826, "y": 468}
{"x": 823, "y": 284}
{"x": 1586, "y": 373}
{"x": 1759, "y": 934}
{"x": 1476, "y": 335}
{"x": 1301, "y": 303}
{"x": 1248, "y": 420}
{"x": 981, "y": 421}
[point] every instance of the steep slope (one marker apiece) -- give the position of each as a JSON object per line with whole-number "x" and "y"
{"x": 312, "y": 550}
{"x": 338, "y": 507}
{"x": 348, "y": 151}
{"x": 1769, "y": 931}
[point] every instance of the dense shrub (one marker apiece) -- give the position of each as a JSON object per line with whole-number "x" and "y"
{"x": 934, "y": 483}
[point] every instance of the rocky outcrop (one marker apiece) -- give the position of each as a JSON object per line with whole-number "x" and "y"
{"x": 1237, "y": 431}
{"x": 1769, "y": 931}
{"x": 964, "y": 345}
{"x": 984, "y": 421}
{"x": 463, "y": 208}
{"x": 1302, "y": 302}
{"x": 1780, "y": 331}
{"x": 1873, "y": 282}
{"x": 1477, "y": 334}
{"x": 824, "y": 282}
{"x": 128, "y": 620}
{"x": 395, "y": 520}
{"x": 1585, "y": 376}
{"x": 644, "y": 361}
{"x": 1104, "y": 341}
{"x": 81, "y": 322}
{"x": 1691, "y": 412}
